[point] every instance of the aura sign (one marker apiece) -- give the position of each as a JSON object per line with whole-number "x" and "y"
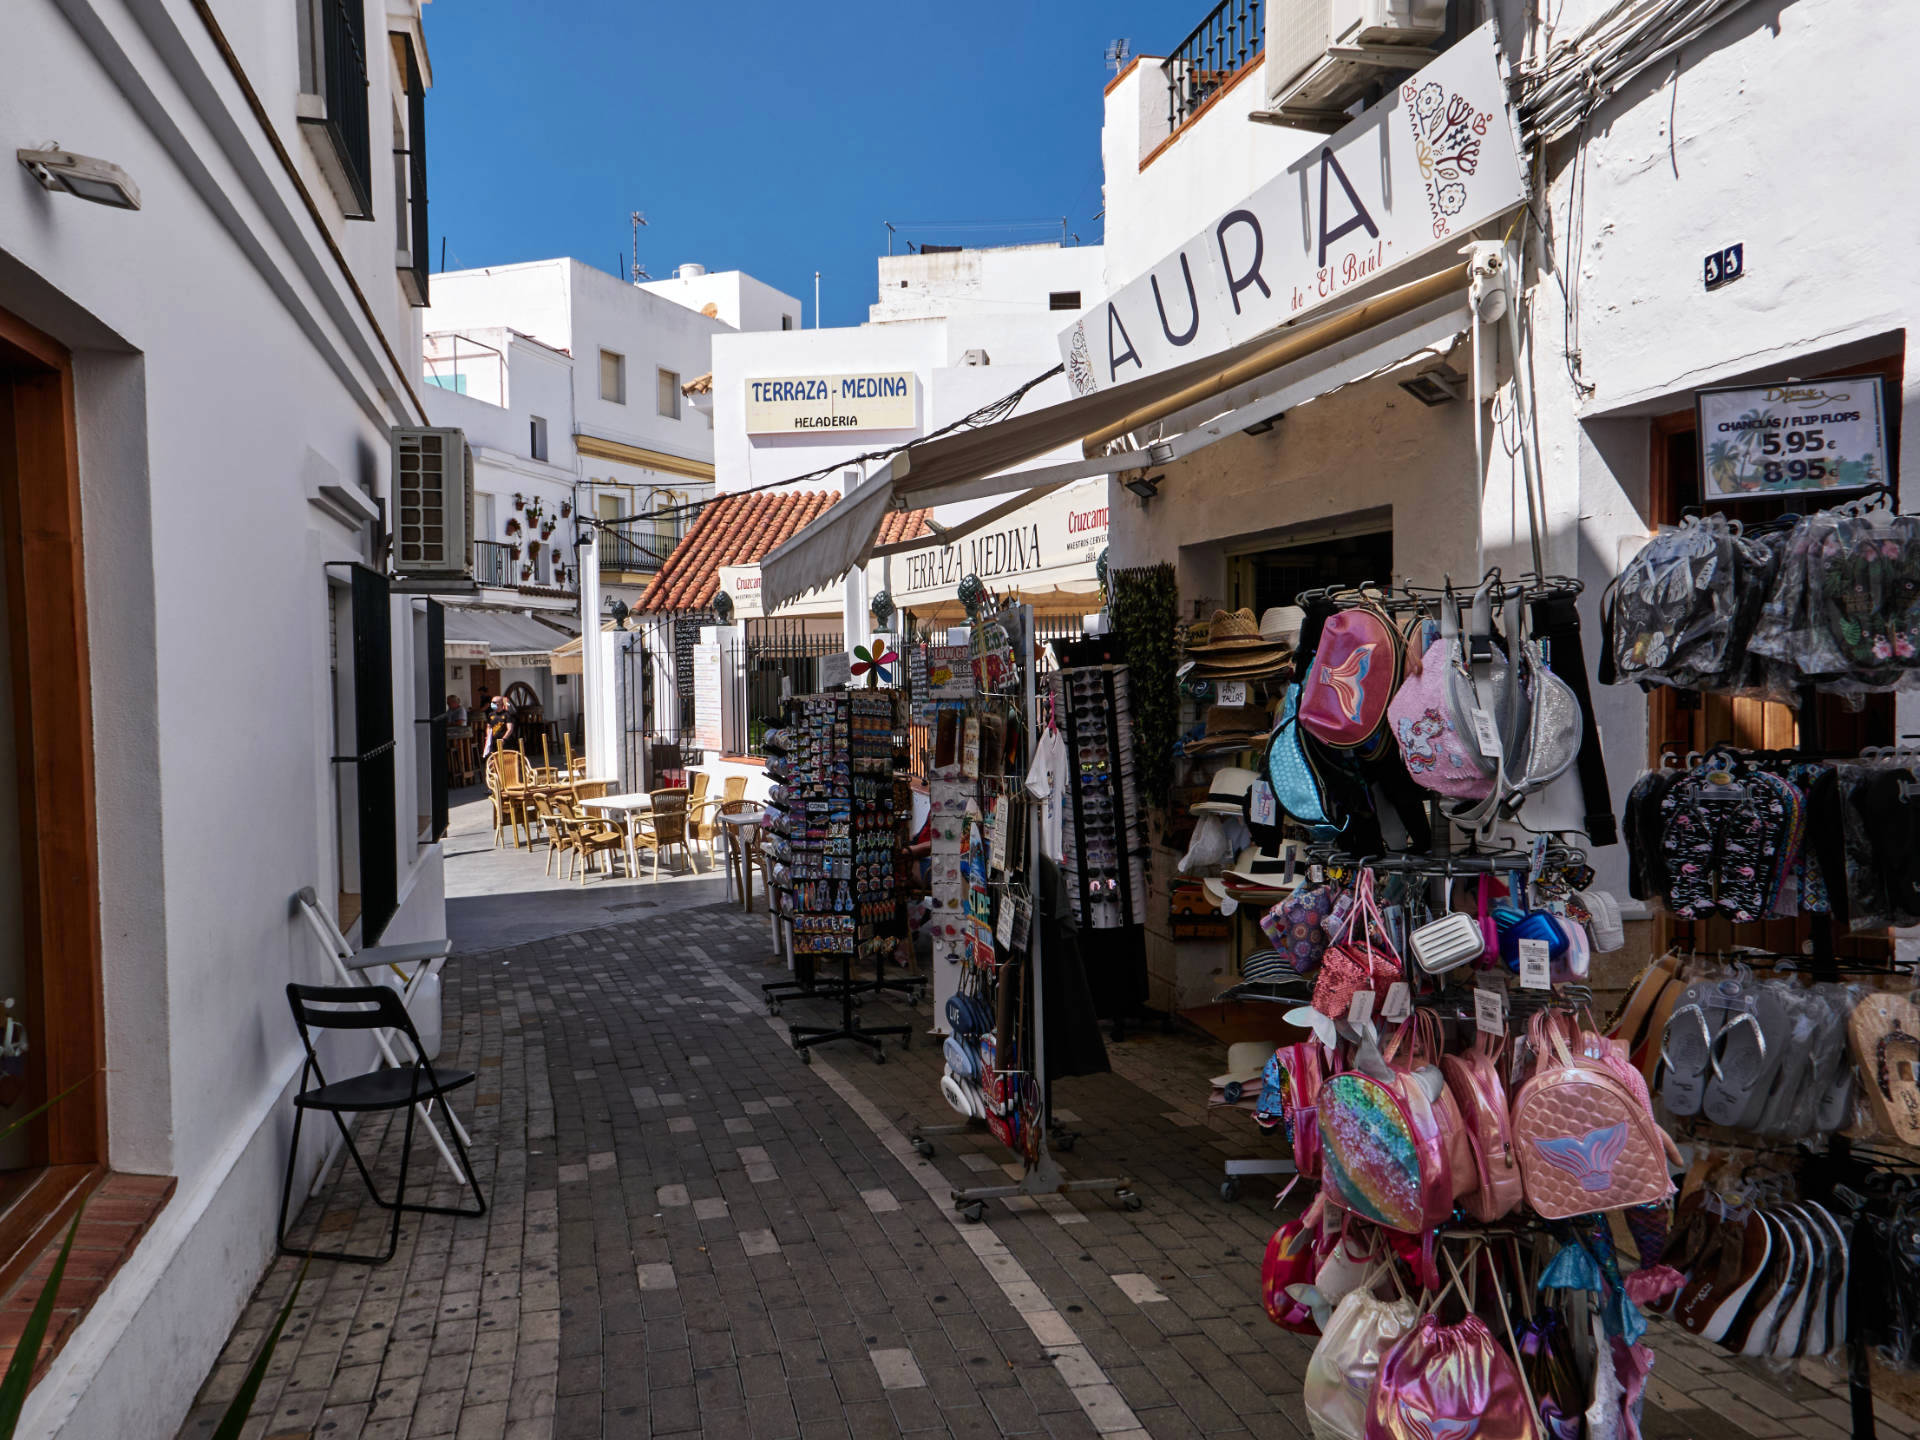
{"x": 1418, "y": 170}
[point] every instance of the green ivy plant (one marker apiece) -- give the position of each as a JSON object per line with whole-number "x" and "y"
{"x": 1145, "y": 616}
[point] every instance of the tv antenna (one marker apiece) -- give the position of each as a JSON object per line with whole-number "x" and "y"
{"x": 1118, "y": 53}
{"x": 639, "y": 270}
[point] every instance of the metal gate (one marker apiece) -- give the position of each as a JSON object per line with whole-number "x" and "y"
{"x": 777, "y": 658}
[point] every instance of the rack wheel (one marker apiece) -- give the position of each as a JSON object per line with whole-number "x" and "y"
{"x": 1229, "y": 1190}
{"x": 806, "y": 1055}
{"x": 973, "y": 1213}
{"x": 923, "y": 1147}
{"x": 906, "y": 1041}
{"x": 879, "y": 1052}
{"x": 1129, "y": 1200}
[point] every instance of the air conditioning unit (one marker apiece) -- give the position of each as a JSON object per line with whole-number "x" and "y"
{"x": 433, "y": 503}
{"x": 1323, "y": 54}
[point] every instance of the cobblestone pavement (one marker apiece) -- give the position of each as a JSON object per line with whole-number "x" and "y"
{"x": 691, "y": 1232}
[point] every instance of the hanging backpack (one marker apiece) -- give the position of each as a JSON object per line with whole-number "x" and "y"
{"x": 1294, "y": 1256}
{"x": 1474, "y": 1080}
{"x": 1583, "y": 1128}
{"x": 1421, "y": 720}
{"x": 1352, "y": 676}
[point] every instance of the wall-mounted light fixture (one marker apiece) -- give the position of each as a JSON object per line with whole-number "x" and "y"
{"x": 1144, "y": 485}
{"x": 1436, "y": 385}
{"x": 100, "y": 181}
{"x": 723, "y": 607}
{"x": 618, "y": 609}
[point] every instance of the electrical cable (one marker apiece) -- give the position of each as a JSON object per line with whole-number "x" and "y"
{"x": 987, "y": 414}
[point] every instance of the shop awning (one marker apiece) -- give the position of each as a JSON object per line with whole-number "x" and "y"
{"x": 505, "y": 639}
{"x": 1208, "y": 400}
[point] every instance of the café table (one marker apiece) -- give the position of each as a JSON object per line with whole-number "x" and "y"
{"x": 628, "y": 808}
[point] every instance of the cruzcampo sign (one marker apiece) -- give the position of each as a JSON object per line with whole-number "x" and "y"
{"x": 798, "y": 404}
{"x": 1416, "y": 171}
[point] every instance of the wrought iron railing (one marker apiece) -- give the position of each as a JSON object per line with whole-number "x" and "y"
{"x": 492, "y": 563}
{"x": 1217, "y": 50}
{"x": 637, "y": 548}
{"x": 343, "y": 31}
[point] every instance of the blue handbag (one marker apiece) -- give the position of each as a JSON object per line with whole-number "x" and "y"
{"x": 1296, "y": 786}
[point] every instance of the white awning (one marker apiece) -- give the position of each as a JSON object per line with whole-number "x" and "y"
{"x": 504, "y": 639}
{"x": 1215, "y": 398}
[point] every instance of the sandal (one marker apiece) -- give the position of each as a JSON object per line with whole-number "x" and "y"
{"x": 1686, "y": 1050}
{"x": 1741, "y": 1049}
{"x": 1711, "y": 1301}
{"x": 1885, "y": 1034}
{"x": 1647, "y": 1057}
{"x": 1631, "y": 1028}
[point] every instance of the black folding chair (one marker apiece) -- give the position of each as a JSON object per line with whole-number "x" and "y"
{"x": 399, "y": 1087}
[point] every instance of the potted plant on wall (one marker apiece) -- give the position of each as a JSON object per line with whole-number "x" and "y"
{"x": 514, "y": 550}
{"x": 566, "y": 509}
{"x": 512, "y": 527}
{"x": 526, "y": 573}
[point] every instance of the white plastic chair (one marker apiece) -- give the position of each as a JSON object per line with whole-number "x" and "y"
{"x": 354, "y": 967}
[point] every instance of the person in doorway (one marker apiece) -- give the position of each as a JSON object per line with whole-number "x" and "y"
{"x": 456, "y": 712}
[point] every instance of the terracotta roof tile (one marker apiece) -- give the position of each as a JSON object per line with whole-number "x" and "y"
{"x": 702, "y": 385}
{"x": 741, "y": 530}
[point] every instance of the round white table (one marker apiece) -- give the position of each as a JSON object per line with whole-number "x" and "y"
{"x": 736, "y": 828}
{"x": 627, "y": 808}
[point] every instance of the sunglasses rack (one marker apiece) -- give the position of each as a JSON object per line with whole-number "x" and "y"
{"x": 1103, "y": 836}
{"x": 982, "y": 751}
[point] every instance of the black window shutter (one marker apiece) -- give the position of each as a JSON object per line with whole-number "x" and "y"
{"x": 417, "y": 169}
{"x": 374, "y": 751}
{"x": 437, "y": 702}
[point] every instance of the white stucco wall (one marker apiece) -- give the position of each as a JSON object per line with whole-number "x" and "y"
{"x": 223, "y": 369}
{"x": 1005, "y": 280}
{"x": 738, "y": 299}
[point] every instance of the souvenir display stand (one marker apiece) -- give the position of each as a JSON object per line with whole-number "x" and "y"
{"x": 835, "y": 839}
{"x": 1103, "y": 834}
{"x": 991, "y": 932}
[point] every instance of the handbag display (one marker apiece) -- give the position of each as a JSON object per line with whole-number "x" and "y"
{"x": 1353, "y": 675}
{"x": 1297, "y": 786}
{"x": 1447, "y": 943}
{"x": 1586, "y": 1140}
{"x": 1305, "y": 1065}
{"x": 1297, "y": 926}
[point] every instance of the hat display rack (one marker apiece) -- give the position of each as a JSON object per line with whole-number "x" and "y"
{"x": 1008, "y": 940}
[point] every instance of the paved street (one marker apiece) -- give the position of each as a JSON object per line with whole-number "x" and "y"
{"x": 693, "y": 1233}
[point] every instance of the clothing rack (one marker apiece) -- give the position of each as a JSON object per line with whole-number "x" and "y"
{"x": 1395, "y": 599}
{"x": 1042, "y": 1174}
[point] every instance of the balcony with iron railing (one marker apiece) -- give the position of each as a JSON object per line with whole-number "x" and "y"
{"x": 1217, "y": 51}
{"x": 492, "y": 563}
{"x": 637, "y": 549}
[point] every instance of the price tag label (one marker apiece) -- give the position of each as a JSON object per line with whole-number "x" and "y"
{"x": 1315, "y": 875}
{"x": 997, "y": 852}
{"x": 1487, "y": 734}
{"x": 1003, "y": 929}
{"x": 1233, "y": 692}
{"x": 1264, "y": 808}
{"x": 1536, "y": 970}
{"x": 1181, "y": 673}
{"x": 1539, "y": 862}
{"x": 1360, "y": 1011}
{"x": 1399, "y": 1003}
{"x": 1490, "y": 1011}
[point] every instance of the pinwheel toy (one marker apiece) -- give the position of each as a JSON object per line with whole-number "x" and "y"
{"x": 872, "y": 661}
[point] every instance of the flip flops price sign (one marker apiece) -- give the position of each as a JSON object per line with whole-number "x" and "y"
{"x": 1801, "y": 435}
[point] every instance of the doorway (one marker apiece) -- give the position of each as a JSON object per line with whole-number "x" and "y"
{"x": 1261, "y": 579}
{"x": 49, "y": 897}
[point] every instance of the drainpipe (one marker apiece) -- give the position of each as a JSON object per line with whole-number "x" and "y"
{"x": 592, "y": 682}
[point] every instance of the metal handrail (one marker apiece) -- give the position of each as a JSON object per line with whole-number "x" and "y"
{"x": 1216, "y": 50}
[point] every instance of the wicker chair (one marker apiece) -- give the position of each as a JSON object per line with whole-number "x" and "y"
{"x": 507, "y": 776}
{"x": 664, "y": 826}
{"x": 750, "y": 849}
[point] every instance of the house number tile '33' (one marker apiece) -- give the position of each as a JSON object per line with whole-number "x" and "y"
{"x": 1725, "y": 266}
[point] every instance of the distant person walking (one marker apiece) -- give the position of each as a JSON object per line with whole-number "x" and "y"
{"x": 500, "y": 726}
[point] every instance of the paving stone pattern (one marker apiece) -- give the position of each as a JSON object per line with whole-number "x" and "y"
{"x": 690, "y": 1232}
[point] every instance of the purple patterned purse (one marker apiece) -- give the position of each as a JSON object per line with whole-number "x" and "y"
{"x": 1296, "y": 927}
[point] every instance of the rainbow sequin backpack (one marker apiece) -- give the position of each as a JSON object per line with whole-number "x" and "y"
{"x": 1393, "y": 1147}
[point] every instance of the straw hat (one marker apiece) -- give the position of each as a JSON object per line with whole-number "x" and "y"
{"x": 1246, "y": 1062}
{"x": 1259, "y": 876}
{"x": 1282, "y": 623}
{"x": 1230, "y": 631}
{"x": 1249, "y": 664}
{"x": 1231, "y": 727}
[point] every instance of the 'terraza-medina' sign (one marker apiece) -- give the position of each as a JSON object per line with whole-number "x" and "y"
{"x": 794, "y": 404}
{"x": 1416, "y": 171}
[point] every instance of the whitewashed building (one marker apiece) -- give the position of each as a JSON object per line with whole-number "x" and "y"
{"x": 220, "y": 689}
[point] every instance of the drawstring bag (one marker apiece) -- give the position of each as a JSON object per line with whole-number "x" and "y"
{"x": 1449, "y": 1382}
{"x": 1341, "y": 1375}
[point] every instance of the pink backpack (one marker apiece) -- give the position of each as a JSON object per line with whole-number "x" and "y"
{"x": 1294, "y": 1256}
{"x": 1584, "y": 1128}
{"x": 1474, "y": 1081}
{"x": 1421, "y": 720}
{"x": 1306, "y": 1068}
{"x": 1393, "y": 1150}
{"x": 1354, "y": 671}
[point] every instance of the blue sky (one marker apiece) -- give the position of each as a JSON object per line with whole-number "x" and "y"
{"x": 773, "y": 138}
